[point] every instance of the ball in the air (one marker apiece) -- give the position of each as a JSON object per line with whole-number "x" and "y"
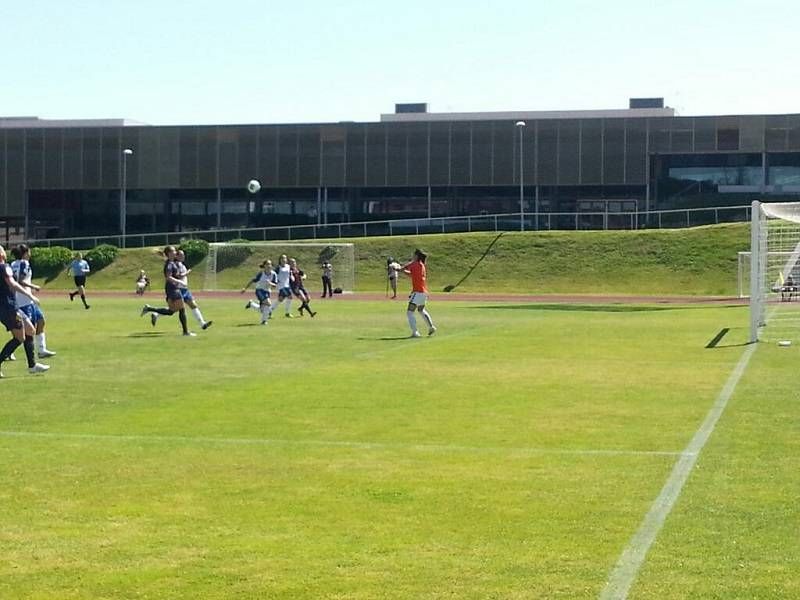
{"x": 253, "y": 186}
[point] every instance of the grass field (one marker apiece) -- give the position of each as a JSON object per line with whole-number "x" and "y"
{"x": 512, "y": 455}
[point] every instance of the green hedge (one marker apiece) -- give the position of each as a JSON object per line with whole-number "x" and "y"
{"x": 101, "y": 256}
{"x": 49, "y": 262}
{"x": 195, "y": 251}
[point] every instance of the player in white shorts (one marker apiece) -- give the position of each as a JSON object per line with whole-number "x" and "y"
{"x": 265, "y": 280}
{"x": 284, "y": 283}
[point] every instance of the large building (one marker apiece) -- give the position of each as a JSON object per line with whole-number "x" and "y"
{"x": 65, "y": 178}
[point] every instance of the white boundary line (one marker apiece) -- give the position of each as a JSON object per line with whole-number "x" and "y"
{"x": 97, "y": 437}
{"x": 632, "y": 557}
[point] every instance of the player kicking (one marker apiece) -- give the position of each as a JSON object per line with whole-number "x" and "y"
{"x": 188, "y": 299}
{"x": 283, "y": 275}
{"x": 23, "y": 275}
{"x": 419, "y": 293}
{"x": 172, "y": 290}
{"x": 79, "y": 269}
{"x": 20, "y": 326}
{"x": 264, "y": 280}
{"x": 298, "y": 289}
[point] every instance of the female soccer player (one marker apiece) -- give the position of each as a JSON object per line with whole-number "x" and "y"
{"x": 79, "y": 269}
{"x": 298, "y": 289}
{"x": 20, "y": 326}
{"x": 172, "y": 290}
{"x": 419, "y": 292}
{"x": 188, "y": 299}
{"x": 23, "y": 275}
{"x": 284, "y": 283}
{"x": 264, "y": 280}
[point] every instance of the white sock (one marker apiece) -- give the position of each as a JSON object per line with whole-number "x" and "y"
{"x": 253, "y": 305}
{"x": 288, "y": 306}
{"x": 154, "y": 316}
{"x": 265, "y": 312}
{"x": 198, "y": 315}
{"x": 412, "y": 320}
{"x": 427, "y": 317}
{"x": 41, "y": 344}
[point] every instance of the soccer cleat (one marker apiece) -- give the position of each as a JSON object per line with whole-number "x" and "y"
{"x": 247, "y": 306}
{"x": 87, "y": 307}
{"x": 145, "y": 310}
{"x": 189, "y": 334}
{"x": 12, "y": 357}
{"x": 263, "y": 322}
{"x": 415, "y": 334}
{"x": 38, "y": 368}
{"x": 153, "y": 319}
{"x": 46, "y": 353}
{"x": 432, "y": 330}
{"x": 1, "y": 375}
{"x": 289, "y": 316}
{"x": 207, "y": 324}
{"x": 71, "y": 297}
{"x": 313, "y": 314}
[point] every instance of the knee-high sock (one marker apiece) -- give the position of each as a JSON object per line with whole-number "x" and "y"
{"x": 288, "y": 305}
{"x": 161, "y": 311}
{"x": 265, "y": 310}
{"x": 83, "y": 299}
{"x": 41, "y": 342}
{"x": 427, "y": 317}
{"x": 198, "y": 315}
{"x": 255, "y": 305}
{"x": 182, "y": 317}
{"x": 28, "y": 345}
{"x": 412, "y": 320}
{"x": 9, "y": 348}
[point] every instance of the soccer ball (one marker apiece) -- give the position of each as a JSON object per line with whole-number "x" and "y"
{"x": 253, "y": 186}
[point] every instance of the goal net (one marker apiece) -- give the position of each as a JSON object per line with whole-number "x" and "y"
{"x": 231, "y": 265}
{"x": 775, "y": 271}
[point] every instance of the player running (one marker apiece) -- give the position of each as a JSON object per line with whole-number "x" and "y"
{"x": 283, "y": 275}
{"x": 21, "y": 328}
{"x": 188, "y": 299}
{"x": 172, "y": 290}
{"x": 419, "y": 293}
{"x": 298, "y": 289}
{"x": 23, "y": 275}
{"x": 79, "y": 269}
{"x": 265, "y": 279}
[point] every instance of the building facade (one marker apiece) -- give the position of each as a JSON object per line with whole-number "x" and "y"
{"x": 61, "y": 179}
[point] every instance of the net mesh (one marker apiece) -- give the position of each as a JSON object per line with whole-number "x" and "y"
{"x": 230, "y": 265}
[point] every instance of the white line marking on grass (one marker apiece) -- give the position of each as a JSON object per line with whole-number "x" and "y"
{"x": 632, "y": 558}
{"x": 332, "y": 443}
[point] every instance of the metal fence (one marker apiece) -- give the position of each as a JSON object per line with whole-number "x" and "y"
{"x": 664, "y": 219}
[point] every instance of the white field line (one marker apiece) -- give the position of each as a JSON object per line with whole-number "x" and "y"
{"x": 439, "y": 448}
{"x": 632, "y": 557}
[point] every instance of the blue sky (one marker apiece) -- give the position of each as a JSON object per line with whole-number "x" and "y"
{"x": 246, "y": 61}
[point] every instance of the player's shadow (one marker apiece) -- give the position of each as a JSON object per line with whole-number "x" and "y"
{"x": 384, "y": 339}
{"x": 249, "y": 325}
{"x": 607, "y": 308}
{"x": 146, "y": 334}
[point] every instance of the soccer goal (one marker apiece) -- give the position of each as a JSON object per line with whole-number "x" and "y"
{"x": 774, "y": 271}
{"x": 231, "y": 264}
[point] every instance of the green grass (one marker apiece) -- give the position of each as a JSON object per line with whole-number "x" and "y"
{"x": 512, "y": 455}
{"x": 697, "y": 261}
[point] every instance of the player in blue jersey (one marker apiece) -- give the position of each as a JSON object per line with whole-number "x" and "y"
{"x": 172, "y": 290}
{"x": 188, "y": 299}
{"x": 79, "y": 269}
{"x": 21, "y": 328}
{"x": 23, "y": 275}
{"x": 265, "y": 280}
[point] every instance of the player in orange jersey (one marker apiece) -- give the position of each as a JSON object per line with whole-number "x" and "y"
{"x": 419, "y": 293}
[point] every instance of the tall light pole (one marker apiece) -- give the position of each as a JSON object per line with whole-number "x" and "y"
{"x": 521, "y": 126}
{"x": 123, "y": 201}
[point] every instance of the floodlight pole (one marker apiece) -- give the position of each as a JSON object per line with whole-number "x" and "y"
{"x": 521, "y": 125}
{"x": 123, "y": 204}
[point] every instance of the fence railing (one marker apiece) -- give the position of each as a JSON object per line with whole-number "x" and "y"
{"x": 663, "y": 219}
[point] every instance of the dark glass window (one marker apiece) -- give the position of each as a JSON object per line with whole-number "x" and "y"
{"x": 207, "y": 157}
{"x": 635, "y": 151}
{"x": 591, "y": 151}
{"x": 287, "y": 156}
{"x": 547, "y": 144}
{"x": 660, "y": 134}
{"x": 145, "y": 163}
{"x": 188, "y": 157}
{"x": 793, "y": 123}
{"x": 308, "y": 138}
{"x": 705, "y": 130}
{"x": 397, "y": 160}
{"x": 91, "y": 158}
{"x": 440, "y": 153}
{"x": 460, "y": 150}
{"x": 418, "y": 154}
{"x": 376, "y": 154}
{"x": 15, "y": 168}
{"x": 110, "y": 163}
{"x": 614, "y": 151}
{"x": 73, "y": 152}
{"x": 333, "y": 154}
{"x": 568, "y": 138}
{"x": 34, "y": 158}
{"x": 169, "y": 157}
{"x": 776, "y": 134}
{"x": 682, "y": 134}
{"x": 53, "y": 159}
{"x": 356, "y": 155}
{"x": 727, "y": 133}
{"x": 129, "y": 138}
{"x": 505, "y": 150}
{"x": 267, "y": 165}
{"x": 481, "y": 153}
{"x": 247, "y": 166}
{"x": 228, "y": 139}
{"x": 752, "y": 133}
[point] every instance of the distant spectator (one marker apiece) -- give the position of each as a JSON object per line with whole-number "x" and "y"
{"x": 142, "y": 283}
{"x": 327, "y": 276}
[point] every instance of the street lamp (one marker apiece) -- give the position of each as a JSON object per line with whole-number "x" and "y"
{"x": 123, "y": 204}
{"x": 521, "y": 125}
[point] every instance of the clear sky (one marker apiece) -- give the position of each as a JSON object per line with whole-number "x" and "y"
{"x": 260, "y": 61}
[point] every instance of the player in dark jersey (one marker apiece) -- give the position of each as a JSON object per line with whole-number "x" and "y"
{"x": 298, "y": 289}
{"x": 14, "y": 321}
{"x": 172, "y": 290}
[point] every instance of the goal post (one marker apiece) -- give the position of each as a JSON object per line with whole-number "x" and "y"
{"x": 774, "y": 268}
{"x": 230, "y": 265}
